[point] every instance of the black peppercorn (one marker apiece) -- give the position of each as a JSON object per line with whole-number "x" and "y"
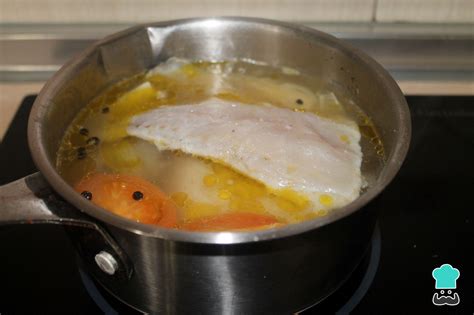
{"x": 105, "y": 110}
{"x": 93, "y": 141}
{"x": 84, "y": 131}
{"x": 81, "y": 153}
{"x": 86, "y": 194}
{"x": 138, "y": 195}
{"x": 299, "y": 101}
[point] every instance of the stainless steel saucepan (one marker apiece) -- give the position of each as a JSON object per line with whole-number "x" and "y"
{"x": 158, "y": 270}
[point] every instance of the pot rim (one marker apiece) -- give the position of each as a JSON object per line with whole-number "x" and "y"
{"x": 393, "y": 162}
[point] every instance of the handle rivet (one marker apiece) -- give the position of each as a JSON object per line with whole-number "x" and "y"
{"x": 106, "y": 262}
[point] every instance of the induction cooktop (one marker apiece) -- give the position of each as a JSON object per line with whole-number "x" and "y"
{"x": 420, "y": 260}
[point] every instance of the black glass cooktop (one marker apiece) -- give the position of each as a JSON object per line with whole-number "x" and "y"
{"x": 426, "y": 221}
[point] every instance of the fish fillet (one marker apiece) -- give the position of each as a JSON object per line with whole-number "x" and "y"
{"x": 277, "y": 146}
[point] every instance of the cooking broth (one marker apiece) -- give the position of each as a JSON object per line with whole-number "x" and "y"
{"x": 203, "y": 192}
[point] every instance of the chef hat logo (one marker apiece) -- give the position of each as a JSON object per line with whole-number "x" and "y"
{"x": 446, "y": 277}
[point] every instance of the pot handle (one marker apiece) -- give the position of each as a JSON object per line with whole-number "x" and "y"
{"x": 31, "y": 200}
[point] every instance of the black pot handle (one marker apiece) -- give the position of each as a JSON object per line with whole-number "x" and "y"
{"x": 31, "y": 200}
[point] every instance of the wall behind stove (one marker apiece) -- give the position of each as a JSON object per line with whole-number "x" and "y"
{"x": 123, "y": 11}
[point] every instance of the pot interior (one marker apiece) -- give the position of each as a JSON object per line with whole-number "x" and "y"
{"x": 138, "y": 49}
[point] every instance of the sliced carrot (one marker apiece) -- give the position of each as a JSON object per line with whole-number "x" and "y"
{"x": 231, "y": 221}
{"x": 131, "y": 197}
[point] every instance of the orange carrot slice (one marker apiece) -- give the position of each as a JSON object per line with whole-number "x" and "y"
{"x": 131, "y": 197}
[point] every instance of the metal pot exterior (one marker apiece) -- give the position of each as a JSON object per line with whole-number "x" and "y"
{"x": 270, "y": 277}
{"x": 274, "y": 271}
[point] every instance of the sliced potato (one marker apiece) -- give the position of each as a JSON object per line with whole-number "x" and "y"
{"x": 120, "y": 155}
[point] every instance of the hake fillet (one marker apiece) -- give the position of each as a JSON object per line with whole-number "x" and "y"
{"x": 277, "y": 146}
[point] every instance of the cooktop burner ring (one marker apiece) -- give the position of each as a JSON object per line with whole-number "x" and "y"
{"x": 369, "y": 276}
